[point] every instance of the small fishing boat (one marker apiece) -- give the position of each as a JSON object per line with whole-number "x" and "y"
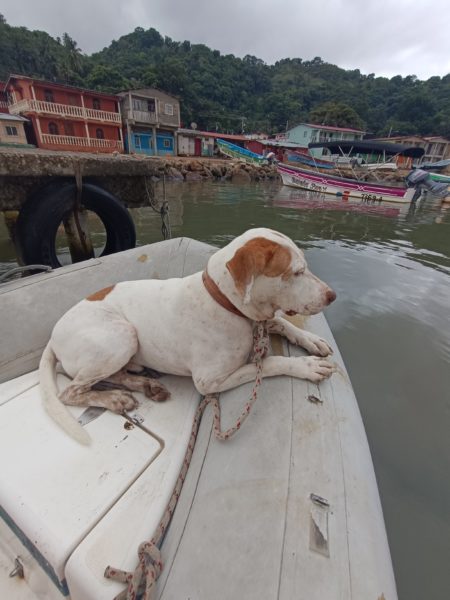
{"x": 440, "y": 177}
{"x": 343, "y": 186}
{"x": 234, "y": 151}
{"x": 287, "y": 508}
{"x": 309, "y": 160}
{"x": 371, "y": 153}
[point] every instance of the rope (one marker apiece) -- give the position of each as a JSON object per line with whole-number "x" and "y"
{"x": 141, "y": 583}
{"x": 77, "y": 208}
{"x": 16, "y": 270}
{"x": 163, "y": 210}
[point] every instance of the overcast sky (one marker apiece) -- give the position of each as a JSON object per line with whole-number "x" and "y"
{"x": 385, "y": 37}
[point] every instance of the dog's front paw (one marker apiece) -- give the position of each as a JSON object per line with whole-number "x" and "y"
{"x": 155, "y": 390}
{"x": 316, "y": 345}
{"x": 314, "y": 368}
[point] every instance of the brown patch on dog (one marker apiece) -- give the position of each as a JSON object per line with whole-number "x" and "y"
{"x": 259, "y": 256}
{"x": 101, "y": 294}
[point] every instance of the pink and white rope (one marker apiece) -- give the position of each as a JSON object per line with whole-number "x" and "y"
{"x": 141, "y": 583}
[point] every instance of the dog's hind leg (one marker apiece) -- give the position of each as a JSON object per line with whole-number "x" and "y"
{"x": 117, "y": 401}
{"x": 95, "y": 355}
{"x": 137, "y": 383}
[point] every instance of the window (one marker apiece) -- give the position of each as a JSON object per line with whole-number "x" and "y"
{"x": 137, "y": 141}
{"x": 11, "y": 130}
{"x": 139, "y": 104}
{"x": 168, "y": 109}
{"x": 151, "y": 105}
{"x": 73, "y": 100}
{"x": 48, "y": 95}
{"x": 53, "y": 128}
{"x": 96, "y": 104}
{"x": 167, "y": 143}
{"x": 99, "y": 134}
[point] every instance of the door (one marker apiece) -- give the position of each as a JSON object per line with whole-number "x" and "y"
{"x": 198, "y": 147}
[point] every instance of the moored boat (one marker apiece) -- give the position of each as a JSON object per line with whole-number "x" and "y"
{"x": 309, "y": 160}
{"x": 371, "y": 152}
{"x": 288, "y": 508}
{"x": 345, "y": 186}
{"x": 440, "y": 177}
{"x": 234, "y": 151}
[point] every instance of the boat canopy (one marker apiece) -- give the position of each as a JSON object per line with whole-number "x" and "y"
{"x": 369, "y": 147}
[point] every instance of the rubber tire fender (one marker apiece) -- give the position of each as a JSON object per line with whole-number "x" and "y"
{"x": 42, "y": 214}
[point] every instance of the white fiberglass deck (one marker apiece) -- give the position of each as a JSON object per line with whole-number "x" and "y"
{"x": 288, "y": 508}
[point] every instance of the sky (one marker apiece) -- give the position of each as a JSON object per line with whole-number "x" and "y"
{"x": 384, "y": 37}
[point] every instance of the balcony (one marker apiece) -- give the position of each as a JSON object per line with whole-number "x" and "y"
{"x": 141, "y": 116}
{"x": 3, "y": 104}
{"x": 82, "y": 142}
{"x": 64, "y": 111}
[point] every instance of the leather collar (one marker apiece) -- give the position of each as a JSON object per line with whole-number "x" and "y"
{"x": 213, "y": 290}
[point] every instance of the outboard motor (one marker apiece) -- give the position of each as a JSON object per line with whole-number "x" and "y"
{"x": 419, "y": 178}
{"x": 416, "y": 176}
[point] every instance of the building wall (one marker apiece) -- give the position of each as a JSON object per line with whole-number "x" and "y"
{"x": 300, "y": 135}
{"x": 195, "y": 145}
{"x": 436, "y": 148}
{"x": 304, "y": 134}
{"x": 76, "y": 131}
{"x": 12, "y": 132}
{"x": 3, "y": 99}
{"x": 163, "y": 118}
{"x": 142, "y": 142}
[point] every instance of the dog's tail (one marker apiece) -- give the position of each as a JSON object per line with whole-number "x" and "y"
{"x": 52, "y": 404}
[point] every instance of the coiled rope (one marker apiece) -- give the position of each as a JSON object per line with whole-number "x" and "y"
{"x": 141, "y": 583}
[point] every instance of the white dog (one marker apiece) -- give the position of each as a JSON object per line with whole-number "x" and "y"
{"x": 198, "y": 326}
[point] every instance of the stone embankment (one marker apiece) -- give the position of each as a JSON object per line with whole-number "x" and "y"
{"x": 201, "y": 169}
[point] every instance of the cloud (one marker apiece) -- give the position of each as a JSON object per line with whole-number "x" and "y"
{"x": 384, "y": 37}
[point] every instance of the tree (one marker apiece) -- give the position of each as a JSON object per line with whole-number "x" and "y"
{"x": 216, "y": 88}
{"x": 106, "y": 79}
{"x": 336, "y": 114}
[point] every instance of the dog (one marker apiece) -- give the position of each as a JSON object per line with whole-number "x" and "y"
{"x": 200, "y": 326}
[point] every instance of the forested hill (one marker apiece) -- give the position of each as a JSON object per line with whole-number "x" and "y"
{"x": 224, "y": 92}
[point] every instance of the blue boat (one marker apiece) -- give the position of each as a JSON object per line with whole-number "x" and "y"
{"x": 234, "y": 151}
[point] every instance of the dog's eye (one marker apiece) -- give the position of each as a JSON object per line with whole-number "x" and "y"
{"x": 299, "y": 272}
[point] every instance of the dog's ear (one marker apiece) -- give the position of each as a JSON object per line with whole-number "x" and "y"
{"x": 259, "y": 256}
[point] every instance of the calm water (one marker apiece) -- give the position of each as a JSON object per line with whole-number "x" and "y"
{"x": 391, "y": 319}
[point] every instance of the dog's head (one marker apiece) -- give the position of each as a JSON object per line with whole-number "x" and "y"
{"x": 269, "y": 273}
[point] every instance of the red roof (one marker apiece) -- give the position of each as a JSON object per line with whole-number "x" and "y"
{"x": 215, "y": 134}
{"x": 62, "y": 86}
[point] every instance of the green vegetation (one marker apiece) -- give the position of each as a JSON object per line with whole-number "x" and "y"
{"x": 227, "y": 93}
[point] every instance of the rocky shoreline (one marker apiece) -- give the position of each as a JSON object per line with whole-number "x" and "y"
{"x": 202, "y": 169}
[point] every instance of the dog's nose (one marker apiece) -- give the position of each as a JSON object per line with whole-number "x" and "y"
{"x": 330, "y": 296}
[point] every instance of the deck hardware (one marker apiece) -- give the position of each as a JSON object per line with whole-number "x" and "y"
{"x": 90, "y": 414}
{"x": 18, "y": 569}
{"x": 135, "y": 418}
{"x": 314, "y": 399}
{"x": 319, "y": 500}
{"x": 318, "y": 526}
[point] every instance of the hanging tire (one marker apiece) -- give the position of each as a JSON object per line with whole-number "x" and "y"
{"x": 41, "y": 215}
